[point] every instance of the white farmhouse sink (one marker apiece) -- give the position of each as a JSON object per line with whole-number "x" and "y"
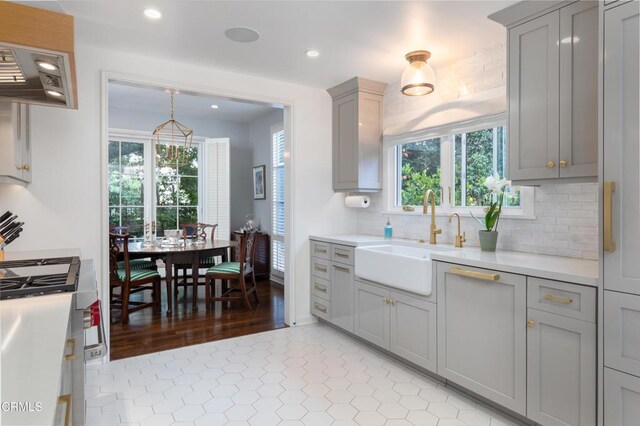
{"x": 401, "y": 266}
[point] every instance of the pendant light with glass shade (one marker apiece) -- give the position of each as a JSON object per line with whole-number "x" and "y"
{"x": 172, "y": 141}
{"x": 418, "y": 78}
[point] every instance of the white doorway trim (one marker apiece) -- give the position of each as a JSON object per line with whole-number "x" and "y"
{"x": 288, "y": 105}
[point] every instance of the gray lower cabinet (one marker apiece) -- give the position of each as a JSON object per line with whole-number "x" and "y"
{"x": 372, "y": 314}
{"x": 561, "y": 370}
{"x": 482, "y": 332}
{"x": 621, "y": 398}
{"x": 342, "y": 296}
{"x": 402, "y": 323}
{"x": 413, "y": 329}
{"x": 622, "y": 332}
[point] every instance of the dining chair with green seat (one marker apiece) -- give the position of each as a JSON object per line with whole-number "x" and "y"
{"x": 237, "y": 273}
{"x": 129, "y": 280}
{"x": 133, "y": 263}
{"x": 189, "y": 232}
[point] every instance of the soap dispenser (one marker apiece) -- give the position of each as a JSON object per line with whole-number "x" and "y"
{"x": 388, "y": 230}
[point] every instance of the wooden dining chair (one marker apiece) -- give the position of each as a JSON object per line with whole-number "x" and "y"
{"x": 234, "y": 275}
{"x": 189, "y": 233}
{"x": 129, "y": 280}
{"x": 146, "y": 263}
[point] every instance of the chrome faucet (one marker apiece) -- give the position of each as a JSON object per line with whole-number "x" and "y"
{"x": 433, "y": 229}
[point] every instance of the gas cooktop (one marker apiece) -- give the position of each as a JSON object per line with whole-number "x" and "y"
{"x": 37, "y": 277}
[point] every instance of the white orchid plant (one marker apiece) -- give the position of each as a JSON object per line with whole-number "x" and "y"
{"x": 498, "y": 187}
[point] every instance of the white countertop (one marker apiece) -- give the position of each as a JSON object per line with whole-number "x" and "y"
{"x": 40, "y": 254}
{"x": 33, "y": 335}
{"x": 558, "y": 268}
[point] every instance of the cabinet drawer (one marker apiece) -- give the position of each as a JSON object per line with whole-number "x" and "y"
{"x": 621, "y": 398}
{"x": 320, "y": 249}
{"x": 342, "y": 254}
{"x": 570, "y": 300}
{"x": 320, "y": 308}
{"x": 320, "y": 268}
{"x": 321, "y": 288}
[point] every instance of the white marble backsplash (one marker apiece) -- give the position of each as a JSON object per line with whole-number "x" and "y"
{"x": 566, "y": 223}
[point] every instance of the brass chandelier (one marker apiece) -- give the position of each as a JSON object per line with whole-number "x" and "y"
{"x": 172, "y": 141}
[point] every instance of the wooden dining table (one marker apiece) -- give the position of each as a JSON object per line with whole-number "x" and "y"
{"x": 184, "y": 253}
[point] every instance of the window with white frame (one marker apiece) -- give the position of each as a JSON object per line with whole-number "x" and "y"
{"x": 452, "y": 161}
{"x": 277, "y": 200}
{"x": 140, "y": 190}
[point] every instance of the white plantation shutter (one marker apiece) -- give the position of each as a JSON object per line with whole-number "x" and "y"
{"x": 277, "y": 209}
{"x": 216, "y": 188}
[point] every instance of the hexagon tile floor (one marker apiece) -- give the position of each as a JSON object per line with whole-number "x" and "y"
{"x": 310, "y": 375}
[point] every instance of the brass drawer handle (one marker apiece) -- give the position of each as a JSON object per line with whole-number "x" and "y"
{"x": 342, "y": 255}
{"x": 563, "y": 163}
{"x": 66, "y": 399}
{"x": 320, "y": 288}
{"x": 531, "y": 324}
{"x": 473, "y": 274}
{"x": 319, "y": 250}
{"x": 320, "y": 308}
{"x": 559, "y": 299}
{"x": 319, "y": 269}
{"x": 72, "y": 355}
{"x": 609, "y": 189}
{"x": 340, "y": 268}
{"x": 550, "y": 164}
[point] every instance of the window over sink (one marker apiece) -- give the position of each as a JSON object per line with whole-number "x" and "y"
{"x": 453, "y": 161}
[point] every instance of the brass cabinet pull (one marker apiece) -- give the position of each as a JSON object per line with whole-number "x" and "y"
{"x": 393, "y": 302}
{"x": 26, "y": 167}
{"x": 550, "y": 164}
{"x": 319, "y": 250}
{"x": 609, "y": 189}
{"x": 320, "y": 288}
{"x": 340, "y": 268}
{"x": 318, "y": 268}
{"x": 66, "y": 399}
{"x": 531, "y": 324}
{"x": 559, "y": 299}
{"x": 72, "y": 355}
{"x": 563, "y": 163}
{"x": 473, "y": 274}
{"x": 320, "y": 308}
{"x": 341, "y": 255}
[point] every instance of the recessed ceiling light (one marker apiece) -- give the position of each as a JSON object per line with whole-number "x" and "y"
{"x": 214, "y": 106}
{"x": 152, "y": 13}
{"x": 54, "y": 93}
{"x": 47, "y": 65}
{"x": 313, "y": 53}
{"x": 242, "y": 34}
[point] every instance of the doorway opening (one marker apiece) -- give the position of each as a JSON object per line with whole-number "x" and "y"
{"x": 233, "y": 176}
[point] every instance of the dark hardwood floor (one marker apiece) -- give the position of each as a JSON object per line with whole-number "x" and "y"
{"x": 149, "y": 331}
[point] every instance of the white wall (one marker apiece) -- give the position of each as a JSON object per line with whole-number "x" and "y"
{"x": 63, "y": 205}
{"x": 240, "y": 150}
{"x": 566, "y": 215}
{"x": 260, "y": 139}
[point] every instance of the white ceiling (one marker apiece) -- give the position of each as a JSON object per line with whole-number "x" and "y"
{"x": 364, "y": 38}
{"x": 157, "y": 100}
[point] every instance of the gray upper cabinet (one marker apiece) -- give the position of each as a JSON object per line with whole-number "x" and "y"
{"x": 533, "y": 99}
{"x": 15, "y": 144}
{"x": 553, "y": 80}
{"x": 622, "y": 146}
{"x": 579, "y": 90}
{"x": 561, "y": 370}
{"x": 357, "y": 135}
{"x": 482, "y": 332}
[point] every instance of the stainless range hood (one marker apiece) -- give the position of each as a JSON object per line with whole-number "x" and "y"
{"x": 35, "y": 76}
{"x": 37, "y": 56}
